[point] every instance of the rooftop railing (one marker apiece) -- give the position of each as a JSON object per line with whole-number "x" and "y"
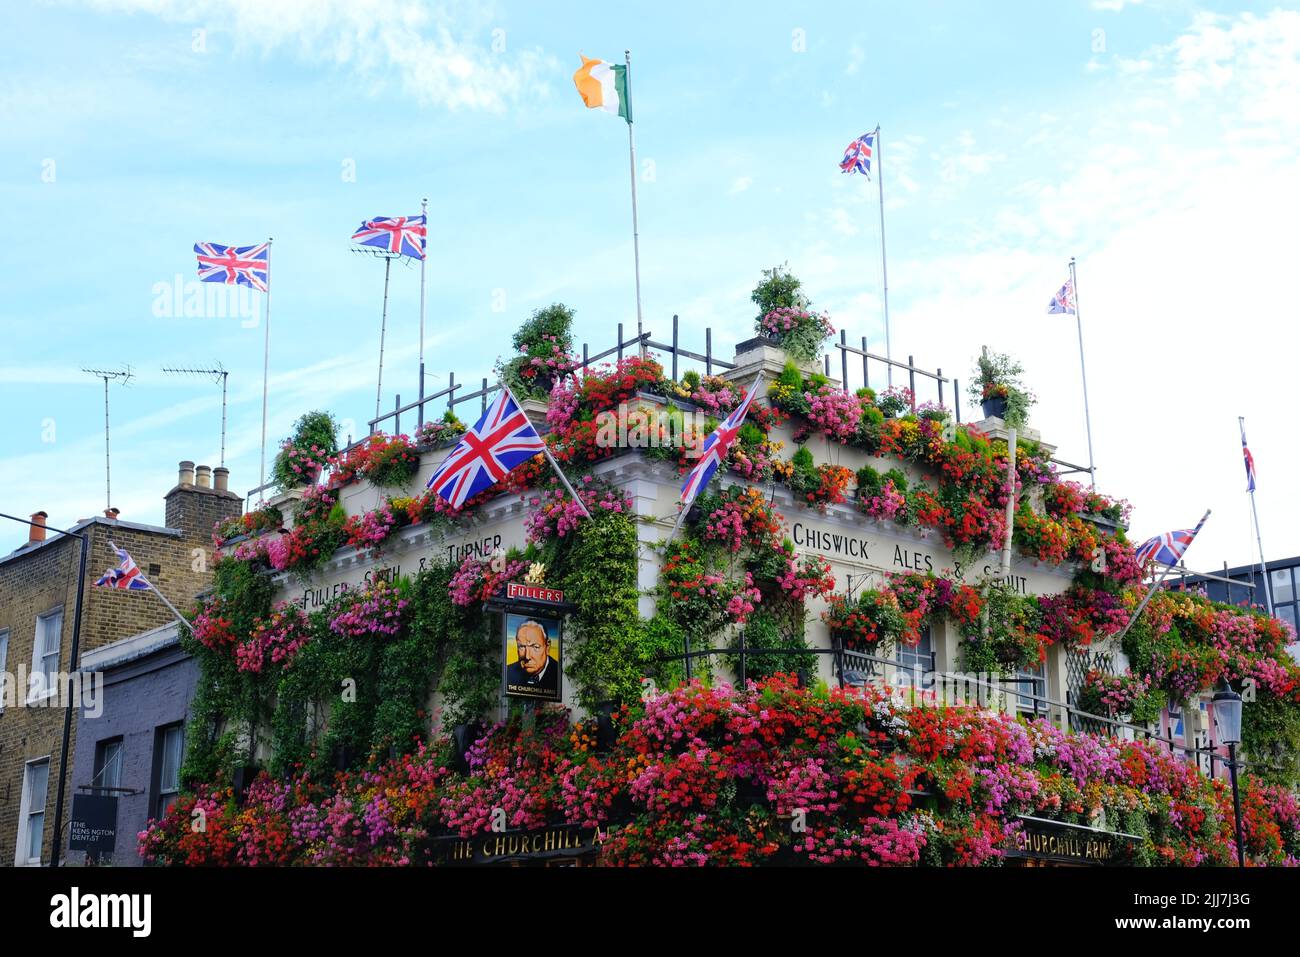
{"x": 677, "y": 359}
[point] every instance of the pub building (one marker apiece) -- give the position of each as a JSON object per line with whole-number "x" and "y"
{"x": 861, "y": 551}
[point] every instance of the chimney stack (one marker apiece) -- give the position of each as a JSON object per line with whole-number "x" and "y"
{"x": 37, "y": 528}
{"x": 201, "y": 498}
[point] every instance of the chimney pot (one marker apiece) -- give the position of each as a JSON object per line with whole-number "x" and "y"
{"x": 187, "y": 473}
{"x": 112, "y": 513}
{"x": 221, "y": 478}
{"x": 37, "y": 528}
{"x": 203, "y": 476}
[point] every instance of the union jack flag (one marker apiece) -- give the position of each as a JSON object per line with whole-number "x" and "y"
{"x": 126, "y": 575}
{"x": 715, "y": 449}
{"x": 403, "y": 235}
{"x": 500, "y": 440}
{"x": 1250, "y": 460}
{"x": 235, "y": 265}
{"x": 857, "y": 155}
{"x": 1063, "y": 301}
{"x": 1169, "y": 548}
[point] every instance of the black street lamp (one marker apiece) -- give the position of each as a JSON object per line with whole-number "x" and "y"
{"x": 1227, "y": 719}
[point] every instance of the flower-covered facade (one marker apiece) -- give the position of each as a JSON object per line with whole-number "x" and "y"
{"x": 850, "y": 538}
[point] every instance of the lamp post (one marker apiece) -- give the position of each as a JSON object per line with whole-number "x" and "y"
{"x": 1227, "y": 719}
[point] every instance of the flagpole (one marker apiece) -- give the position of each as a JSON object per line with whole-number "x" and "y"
{"x": 1259, "y": 538}
{"x": 266, "y": 365}
{"x": 1150, "y": 593}
{"x": 1158, "y": 582}
{"x": 1087, "y": 415}
{"x": 681, "y": 516}
{"x": 161, "y": 597}
{"x": 1011, "y": 501}
{"x": 550, "y": 458}
{"x": 631, "y": 153}
{"x": 748, "y": 401}
{"x": 383, "y": 325}
{"x": 884, "y": 271}
{"x": 424, "y": 211}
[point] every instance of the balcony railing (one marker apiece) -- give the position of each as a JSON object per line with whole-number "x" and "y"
{"x": 858, "y": 669}
{"x": 677, "y": 359}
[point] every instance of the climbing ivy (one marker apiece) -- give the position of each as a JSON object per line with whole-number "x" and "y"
{"x": 607, "y": 641}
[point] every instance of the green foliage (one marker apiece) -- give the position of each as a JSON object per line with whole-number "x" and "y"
{"x": 1005, "y": 637}
{"x": 764, "y": 630}
{"x": 543, "y": 339}
{"x": 791, "y": 377}
{"x": 1018, "y": 405}
{"x": 461, "y": 651}
{"x": 778, "y": 289}
{"x": 1270, "y": 732}
{"x": 898, "y": 477}
{"x": 392, "y": 465}
{"x": 605, "y": 647}
{"x": 805, "y": 477}
{"x": 554, "y": 321}
{"x": 1136, "y": 821}
{"x": 787, "y": 391}
{"x": 660, "y": 638}
{"x": 317, "y": 428}
{"x": 997, "y": 375}
{"x": 750, "y": 434}
{"x": 226, "y": 700}
{"x": 1141, "y": 645}
{"x": 869, "y": 482}
{"x": 893, "y": 404}
{"x": 313, "y": 430}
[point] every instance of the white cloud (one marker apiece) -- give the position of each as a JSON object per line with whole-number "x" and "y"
{"x": 410, "y": 40}
{"x": 741, "y": 184}
{"x": 961, "y": 161}
{"x": 857, "y": 56}
{"x": 842, "y": 222}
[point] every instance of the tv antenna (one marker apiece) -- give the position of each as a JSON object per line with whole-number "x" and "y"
{"x": 219, "y": 375}
{"x": 124, "y": 376}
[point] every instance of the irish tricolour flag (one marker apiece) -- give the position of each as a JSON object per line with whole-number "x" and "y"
{"x": 604, "y": 86}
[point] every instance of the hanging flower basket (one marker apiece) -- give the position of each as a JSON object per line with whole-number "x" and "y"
{"x": 995, "y": 407}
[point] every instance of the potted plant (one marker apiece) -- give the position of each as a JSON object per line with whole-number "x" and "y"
{"x": 784, "y": 317}
{"x": 545, "y": 345}
{"x": 305, "y": 453}
{"x": 996, "y": 385}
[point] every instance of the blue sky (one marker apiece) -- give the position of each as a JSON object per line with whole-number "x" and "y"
{"x": 1154, "y": 141}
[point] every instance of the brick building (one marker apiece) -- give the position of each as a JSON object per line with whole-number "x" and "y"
{"x": 38, "y": 584}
